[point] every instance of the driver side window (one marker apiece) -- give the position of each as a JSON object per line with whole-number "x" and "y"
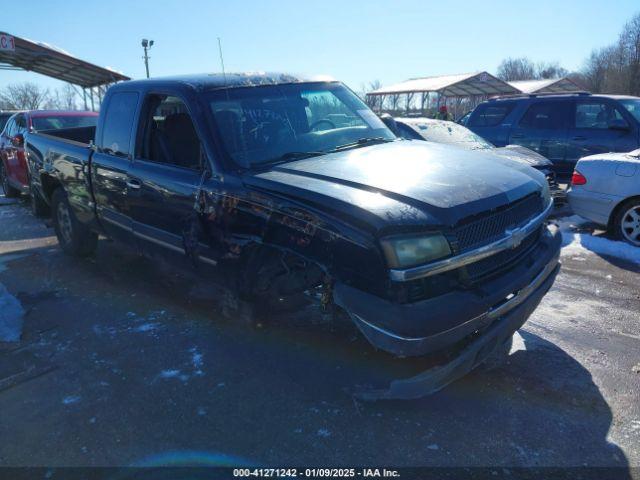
{"x": 169, "y": 134}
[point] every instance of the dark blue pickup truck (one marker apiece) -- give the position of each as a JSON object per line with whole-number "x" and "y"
{"x": 561, "y": 127}
{"x": 281, "y": 185}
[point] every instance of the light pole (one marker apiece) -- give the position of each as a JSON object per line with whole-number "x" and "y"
{"x": 146, "y": 44}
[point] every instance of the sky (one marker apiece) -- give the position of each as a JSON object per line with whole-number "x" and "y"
{"x": 353, "y": 41}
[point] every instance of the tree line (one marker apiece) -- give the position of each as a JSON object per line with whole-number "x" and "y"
{"x": 31, "y": 96}
{"x": 611, "y": 69}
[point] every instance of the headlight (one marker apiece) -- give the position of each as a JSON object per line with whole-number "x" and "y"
{"x": 408, "y": 251}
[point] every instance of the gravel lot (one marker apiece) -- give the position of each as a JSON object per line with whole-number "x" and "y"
{"x": 121, "y": 362}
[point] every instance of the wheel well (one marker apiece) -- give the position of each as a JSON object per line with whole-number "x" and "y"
{"x": 261, "y": 261}
{"x": 617, "y": 208}
{"x": 49, "y": 185}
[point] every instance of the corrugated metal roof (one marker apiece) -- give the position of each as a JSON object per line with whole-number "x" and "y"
{"x": 550, "y": 85}
{"x": 56, "y": 63}
{"x": 466, "y": 84}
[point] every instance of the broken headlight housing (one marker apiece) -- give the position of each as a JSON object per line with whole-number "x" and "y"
{"x": 409, "y": 251}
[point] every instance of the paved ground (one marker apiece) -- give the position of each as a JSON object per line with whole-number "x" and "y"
{"x": 123, "y": 363}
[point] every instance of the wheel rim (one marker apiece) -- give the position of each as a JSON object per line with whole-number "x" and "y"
{"x": 630, "y": 225}
{"x": 64, "y": 222}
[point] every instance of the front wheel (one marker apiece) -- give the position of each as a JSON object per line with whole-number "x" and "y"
{"x": 626, "y": 223}
{"x": 74, "y": 238}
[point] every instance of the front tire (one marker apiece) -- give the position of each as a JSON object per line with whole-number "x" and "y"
{"x": 74, "y": 238}
{"x": 626, "y": 223}
{"x": 9, "y": 191}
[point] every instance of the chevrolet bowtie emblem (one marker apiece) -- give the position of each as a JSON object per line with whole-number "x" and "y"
{"x": 515, "y": 237}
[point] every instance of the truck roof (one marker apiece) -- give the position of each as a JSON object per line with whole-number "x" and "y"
{"x": 209, "y": 81}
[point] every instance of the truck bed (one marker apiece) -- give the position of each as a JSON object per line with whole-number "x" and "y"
{"x": 61, "y": 157}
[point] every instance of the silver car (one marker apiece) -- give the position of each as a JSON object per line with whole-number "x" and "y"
{"x": 605, "y": 189}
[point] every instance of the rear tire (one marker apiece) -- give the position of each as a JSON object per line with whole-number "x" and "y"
{"x": 9, "y": 191}
{"x": 74, "y": 238}
{"x": 626, "y": 223}
{"x": 39, "y": 207}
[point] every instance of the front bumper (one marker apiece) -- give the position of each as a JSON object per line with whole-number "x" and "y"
{"x": 502, "y": 308}
{"x": 435, "y": 324}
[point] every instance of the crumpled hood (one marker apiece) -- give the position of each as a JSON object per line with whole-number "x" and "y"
{"x": 405, "y": 182}
{"x": 522, "y": 154}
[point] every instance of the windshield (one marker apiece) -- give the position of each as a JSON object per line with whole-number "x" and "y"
{"x": 451, "y": 133}
{"x": 63, "y": 121}
{"x": 633, "y": 106}
{"x": 266, "y": 124}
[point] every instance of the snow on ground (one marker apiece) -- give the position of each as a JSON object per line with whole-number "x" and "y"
{"x": 578, "y": 238}
{"x": 11, "y": 313}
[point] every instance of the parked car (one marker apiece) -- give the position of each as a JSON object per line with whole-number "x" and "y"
{"x": 13, "y": 166}
{"x": 440, "y": 131}
{"x": 248, "y": 178}
{"x": 561, "y": 127}
{"x": 606, "y": 190}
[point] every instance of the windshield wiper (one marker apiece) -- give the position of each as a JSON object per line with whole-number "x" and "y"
{"x": 289, "y": 156}
{"x": 361, "y": 142}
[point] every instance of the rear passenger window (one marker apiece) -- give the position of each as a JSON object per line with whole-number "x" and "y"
{"x": 544, "y": 115}
{"x": 596, "y": 114}
{"x": 118, "y": 123}
{"x": 490, "y": 114}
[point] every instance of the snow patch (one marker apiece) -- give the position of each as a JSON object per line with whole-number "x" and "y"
{"x": 169, "y": 373}
{"x": 324, "y": 433}
{"x": 70, "y": 399}
{"x": 146, "y": 327}
{"x": 11, "y": 313}
{"x": 576, "y": 242}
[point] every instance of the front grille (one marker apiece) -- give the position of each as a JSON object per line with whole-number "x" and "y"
{"x": 485, "y": 228}
{"x": 501, "y": 261}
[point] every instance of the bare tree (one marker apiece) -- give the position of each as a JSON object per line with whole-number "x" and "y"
{"x": 64, "y": 98}
{"x": 545, "y": 70}
{"x": 24, "y": 96}
{"x": 616, "y": 68}
{"x": 513, "y": 69}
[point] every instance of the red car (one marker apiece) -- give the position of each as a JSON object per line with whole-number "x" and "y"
{"x": 13, "y": 166}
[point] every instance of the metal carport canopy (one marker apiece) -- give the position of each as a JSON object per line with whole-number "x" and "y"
{"x": 43, "y": 59}
{"x": 552, "y": 85}
{"x": 463, "y": 85}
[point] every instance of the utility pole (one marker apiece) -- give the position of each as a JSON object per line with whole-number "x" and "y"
{"x": 146, "y": 45}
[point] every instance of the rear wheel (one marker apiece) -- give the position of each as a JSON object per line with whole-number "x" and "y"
{"x": 9, "y": 191}
{"x": 626, "y": 223}
{"x": 74, "y": 238}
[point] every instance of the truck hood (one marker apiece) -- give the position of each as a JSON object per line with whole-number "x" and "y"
{"x": 404, "y": 183}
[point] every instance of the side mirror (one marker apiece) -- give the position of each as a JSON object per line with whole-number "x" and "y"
{"x": 18, "y": 140}
{"x": 389, "y": 121}
{"x": 618, "y": 124}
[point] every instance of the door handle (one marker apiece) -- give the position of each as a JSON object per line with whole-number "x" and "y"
{"x": 579, "y": 138}
{"x": 517, "y": 135}
{"x": 134, "y": 184}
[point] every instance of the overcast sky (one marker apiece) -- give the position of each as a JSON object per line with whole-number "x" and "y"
{"x": 354, "y": 41}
